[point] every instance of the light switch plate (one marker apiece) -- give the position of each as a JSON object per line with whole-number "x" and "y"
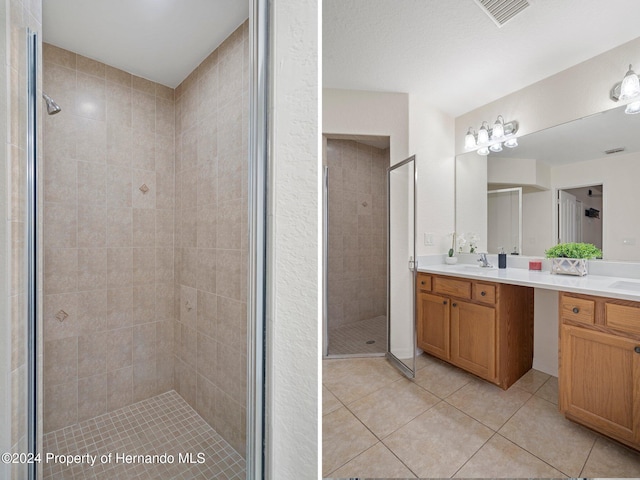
{"x": 428, "y": 239}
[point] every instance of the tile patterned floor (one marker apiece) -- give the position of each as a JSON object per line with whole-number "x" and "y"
{"x": 352, "y": 338}
{"x": 447, "y": 423}
{"x": 162, "y": 424}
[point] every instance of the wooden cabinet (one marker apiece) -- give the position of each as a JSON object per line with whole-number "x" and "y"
{"x": 473, "y": 338}
{"x": 599, "y": 377}
{"x": 433, "y": 335}
{"x": 485, "y": 328}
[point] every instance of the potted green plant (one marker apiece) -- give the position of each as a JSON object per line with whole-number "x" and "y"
{"x": 571, "y": 258}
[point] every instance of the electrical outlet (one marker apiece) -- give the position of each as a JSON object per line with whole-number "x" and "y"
{"x": 428, "y": 239}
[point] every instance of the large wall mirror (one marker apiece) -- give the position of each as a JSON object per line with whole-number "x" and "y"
{"x": 579, "y": 181}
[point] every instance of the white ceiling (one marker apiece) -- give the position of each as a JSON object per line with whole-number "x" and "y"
{"x": 454, "y": 54}
{"x": 161, "y": 40}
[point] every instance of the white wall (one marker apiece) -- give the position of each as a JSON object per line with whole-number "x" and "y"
{"x": 471, "y": 199}
{"x": 573, "y": 93}
{"x": 518, "y": 172}
{"x": 431, "y": 139}
{"x": 538, "y": 230}
{"x": 503, "y": 231}
{"x": 355, "y": 112}
{"x": 293, "y": 298}
{"x": 545, "y": 331}
{"x": 620, "y": 216}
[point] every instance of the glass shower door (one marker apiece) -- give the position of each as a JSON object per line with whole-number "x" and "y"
{"x": 402, "y": 266}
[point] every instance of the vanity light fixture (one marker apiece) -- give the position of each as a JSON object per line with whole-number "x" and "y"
{"x": 470, "y": 140}
{"x": 483, "y": 134}
{"x": 498, "y": 128}
{"x": 511, "y": 143}
{"x": 627, "y": 89}
{"x": 492, "y": 139}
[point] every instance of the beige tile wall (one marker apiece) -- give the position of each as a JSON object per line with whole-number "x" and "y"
{"x": 108, "y": 256}
{"x": 357, "y": 231}
{"x": 211, "y": 238}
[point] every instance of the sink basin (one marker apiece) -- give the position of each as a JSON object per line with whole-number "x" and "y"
{"x": 631, "y": 286}
{"x": 473, "y": 268}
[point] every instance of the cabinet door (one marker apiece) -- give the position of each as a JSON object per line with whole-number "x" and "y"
{"x": 433, "y": 324}
{"x": 473, "y": 338}
{"x": 599, "y": 381}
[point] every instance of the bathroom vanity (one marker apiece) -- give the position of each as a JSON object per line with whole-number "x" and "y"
{"x": 485, "y": 328}
{"x": 482, "y": 321}
{"x": 599, "y": 378}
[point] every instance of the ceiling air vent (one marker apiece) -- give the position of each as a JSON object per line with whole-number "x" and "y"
{"x": 501, "y": 11}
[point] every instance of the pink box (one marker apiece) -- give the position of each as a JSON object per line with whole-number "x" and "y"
{"x": 535, "y": 265}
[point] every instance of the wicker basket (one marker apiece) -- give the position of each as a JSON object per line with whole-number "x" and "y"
{"x": 569, "y": 266}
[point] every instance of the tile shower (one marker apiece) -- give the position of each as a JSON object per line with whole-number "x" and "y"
{"x": 357, "y": 254}
{"x": 145, "y": 240}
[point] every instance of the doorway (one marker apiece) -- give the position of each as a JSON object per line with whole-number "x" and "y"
{"x": 580, "y": 215}
{"x": 355, "y": 254}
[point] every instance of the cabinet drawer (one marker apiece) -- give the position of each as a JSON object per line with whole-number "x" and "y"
{"x": 450, "y": 286}
{"x": 577, "y": 309}
{"x": 484, "y": 292}
{"x": 623, "y": 317}
{"x": 424, "y": 282}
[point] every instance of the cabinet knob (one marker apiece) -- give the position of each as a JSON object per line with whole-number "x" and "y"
{"x": 444, "y": 302}
{"x": 576, "y": 310}
{"x": 484, "y": 294}
{"x": 454, "y": 304}
{"x": 422, "y": 282}
{"x": 637, "y": 349}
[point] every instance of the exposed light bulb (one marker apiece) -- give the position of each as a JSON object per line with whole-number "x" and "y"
{"x": 632, "y": 108}
{"x": 483, "y": 151}
{"x": 630, "y": 86}
{"x": 511, "y": 143}
{"x": 470, "y": 140}
{"x": 498, "y": 128}
{"x": 483, "y": 134}
{"x": 496, "y": 147}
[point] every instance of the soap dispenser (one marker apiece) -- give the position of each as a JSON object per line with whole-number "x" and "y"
{"x": 502, "y": 259}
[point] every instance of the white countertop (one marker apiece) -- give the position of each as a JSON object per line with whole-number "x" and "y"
{"x": 603, "y": 286}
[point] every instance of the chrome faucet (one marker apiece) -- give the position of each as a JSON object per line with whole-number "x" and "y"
{"x": 484, "y": 262}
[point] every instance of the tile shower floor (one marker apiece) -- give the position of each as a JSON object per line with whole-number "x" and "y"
{"x": 355, "y": 337}
{"x": 447, "y": 423}
{"x": 162, "y": 424}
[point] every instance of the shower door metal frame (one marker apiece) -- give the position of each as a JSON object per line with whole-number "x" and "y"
{"x": 257, "y": 206}
{"x": 413, "y": 265}
{"x": 32, "y": 251}
{"x": 325, "y": 260}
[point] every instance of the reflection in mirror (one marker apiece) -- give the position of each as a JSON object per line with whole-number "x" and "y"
{"x": 600, "y": 153}
{"x": 504, "y": 224}
{"x": 579, "y": 217}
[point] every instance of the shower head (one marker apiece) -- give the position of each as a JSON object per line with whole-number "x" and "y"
{"x": 52, "y": 106}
